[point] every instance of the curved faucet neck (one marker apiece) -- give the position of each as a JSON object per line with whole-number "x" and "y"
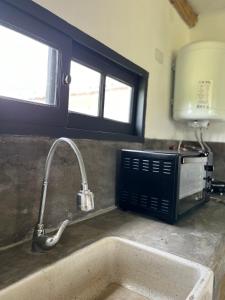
{"x": 75, "y": 150}
{"x": 48, "y": 167}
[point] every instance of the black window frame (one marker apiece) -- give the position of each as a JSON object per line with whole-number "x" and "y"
{"x": 20, "y": 117}
{"x": 15, "y": 110}
{"x": 106, "y": 68}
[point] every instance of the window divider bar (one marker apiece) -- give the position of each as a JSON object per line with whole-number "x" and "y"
{"x": 102, "y": 95}
{"x": 52, "y": 78}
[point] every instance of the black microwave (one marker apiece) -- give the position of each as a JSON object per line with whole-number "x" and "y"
{"x": 163, "y": 184}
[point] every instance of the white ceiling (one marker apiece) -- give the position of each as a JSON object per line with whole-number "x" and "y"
{"x": 206, "y": 6}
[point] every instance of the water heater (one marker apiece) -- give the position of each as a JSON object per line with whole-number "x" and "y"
{"x": 199, "y": 93}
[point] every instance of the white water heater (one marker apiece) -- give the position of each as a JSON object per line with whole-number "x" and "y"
{"x": 200, "y": 82}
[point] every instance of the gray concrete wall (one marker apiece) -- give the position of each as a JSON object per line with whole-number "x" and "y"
{"x": 22, "y": 162}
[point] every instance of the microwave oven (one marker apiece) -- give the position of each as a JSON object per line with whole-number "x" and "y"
{"x": 162, "y": 184}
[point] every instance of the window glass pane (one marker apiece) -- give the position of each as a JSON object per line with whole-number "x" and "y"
{"x": 84, "y": 90}
{"x": 28, "y": 68}
{"x": 118, "y": 98}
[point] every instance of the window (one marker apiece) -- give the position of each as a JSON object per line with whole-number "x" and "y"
{"x": 56, "y": 80}
{"x": 118, "y": 100}
{"x": 103, "y": 95}
{"x": 84, "y": 90}
{"x": 115, "y": 101}
{"x": 27, "y": 74}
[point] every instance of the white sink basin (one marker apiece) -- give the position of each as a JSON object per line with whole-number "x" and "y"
{"x": 116, "y": 269}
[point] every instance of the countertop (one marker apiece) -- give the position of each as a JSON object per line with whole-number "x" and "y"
{"x": 198, "y": 236}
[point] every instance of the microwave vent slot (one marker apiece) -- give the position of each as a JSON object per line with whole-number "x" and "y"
{"x": 145, "y": 165}
{"x": 165, "y": 206}
{"x": 154, "y": 203}
{"x": 135, "y": 164}
{"x": 167, "y": 167}
{"x": 156, "y": 166}
{"x": 126, "y": 162}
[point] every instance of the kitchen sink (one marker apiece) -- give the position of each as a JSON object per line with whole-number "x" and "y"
{"x": 116, "y": 269}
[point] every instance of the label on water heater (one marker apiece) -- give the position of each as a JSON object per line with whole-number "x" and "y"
{"x": 204, "y": 94}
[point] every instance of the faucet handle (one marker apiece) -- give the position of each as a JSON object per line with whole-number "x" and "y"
{"x": 85, "y": 199}
{"x": 53, "y": 240}
{"x": 42, "y": 241}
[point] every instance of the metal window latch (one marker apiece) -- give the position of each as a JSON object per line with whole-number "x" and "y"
{"x": 67, "y": 79}
{"x": 209, "y": 168}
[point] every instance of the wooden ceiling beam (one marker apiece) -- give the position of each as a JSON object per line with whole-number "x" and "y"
{"x": 186, "y": 11}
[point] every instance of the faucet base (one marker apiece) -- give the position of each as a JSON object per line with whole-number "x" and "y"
{"x": 38, "y": 237}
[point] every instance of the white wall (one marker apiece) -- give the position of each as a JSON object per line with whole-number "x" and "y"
{"x": 211, "y": 26}
{"x": 135, "y": 29}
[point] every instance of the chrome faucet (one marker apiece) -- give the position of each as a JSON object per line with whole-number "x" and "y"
{"x": 41, "y": 241}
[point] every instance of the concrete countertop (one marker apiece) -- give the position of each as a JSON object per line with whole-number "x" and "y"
{"x": 198, "y": 236}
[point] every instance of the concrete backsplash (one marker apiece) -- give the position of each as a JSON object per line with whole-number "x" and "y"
{"x": 22, "y": 162}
